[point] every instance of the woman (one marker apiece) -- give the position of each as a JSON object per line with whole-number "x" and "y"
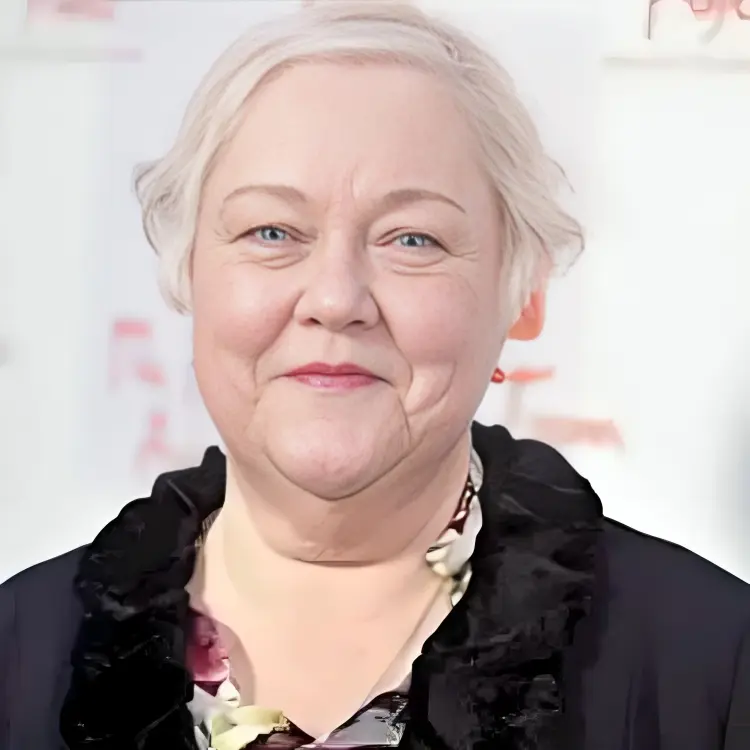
{"x": 358, "y": 213}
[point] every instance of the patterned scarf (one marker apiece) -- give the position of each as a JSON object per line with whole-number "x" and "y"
{"x": 221, "y": 723}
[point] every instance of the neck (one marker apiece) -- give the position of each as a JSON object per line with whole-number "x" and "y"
{"x": 282, "y": 544}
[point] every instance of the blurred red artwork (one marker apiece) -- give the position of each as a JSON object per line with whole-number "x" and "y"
{"x": 132, "y": 354}
{"x": 154, "y": 449}
{"x": 705, "y": 9}
{"x": 91, "y": 10}
{"x": 553, "y": 428}
{"x": 720, "y": 7}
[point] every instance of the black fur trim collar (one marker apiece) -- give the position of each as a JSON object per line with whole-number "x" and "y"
{"x": 490, "y": 677}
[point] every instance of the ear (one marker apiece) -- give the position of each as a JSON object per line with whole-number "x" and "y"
{"x": 530, "y": 323}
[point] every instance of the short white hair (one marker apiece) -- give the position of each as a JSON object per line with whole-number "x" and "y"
{"x": 539, "y": 234}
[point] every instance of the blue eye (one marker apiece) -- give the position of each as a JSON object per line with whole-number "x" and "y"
{"x": 270, "y": 234}
{"x": 415, "y": 240}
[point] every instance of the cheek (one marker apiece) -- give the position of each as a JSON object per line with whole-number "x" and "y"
{"x": 235, "y": 315}
{"x": 446, "y": 329}
{"x": 435, "y": 322}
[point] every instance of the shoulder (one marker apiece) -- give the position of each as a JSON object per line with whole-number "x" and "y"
{"x": 672, "y": 581}
{"x": 42, "y": 591}
{"x": 39, "y": 618}
{"x": 57, "y": 570}
{"x": 669, "y": 613}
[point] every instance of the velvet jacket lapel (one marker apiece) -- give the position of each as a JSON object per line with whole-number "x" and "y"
{"x": 490, "y": 677}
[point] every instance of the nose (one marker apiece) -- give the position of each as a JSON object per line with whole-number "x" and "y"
{"x": 337, "y": 290}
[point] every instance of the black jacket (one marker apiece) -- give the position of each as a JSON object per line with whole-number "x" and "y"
{"x": 576, "y": 633}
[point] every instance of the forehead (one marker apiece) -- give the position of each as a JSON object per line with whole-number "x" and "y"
{"x": 369, "y": 126}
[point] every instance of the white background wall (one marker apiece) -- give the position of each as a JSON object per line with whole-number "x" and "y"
{"x": 663, "y": 335}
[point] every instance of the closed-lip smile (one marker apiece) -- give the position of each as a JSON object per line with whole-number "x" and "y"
{"x": 344, "y": 376}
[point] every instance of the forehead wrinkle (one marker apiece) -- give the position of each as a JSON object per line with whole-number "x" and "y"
{"x": 354, "y": 173}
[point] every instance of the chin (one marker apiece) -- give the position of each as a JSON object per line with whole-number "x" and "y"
{"x": 328, "y": 460}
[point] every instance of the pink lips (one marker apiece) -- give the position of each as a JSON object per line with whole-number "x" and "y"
{"x": 335, "y": 377}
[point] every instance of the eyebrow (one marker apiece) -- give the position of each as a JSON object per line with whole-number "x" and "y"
{"x": 392, "y": 200}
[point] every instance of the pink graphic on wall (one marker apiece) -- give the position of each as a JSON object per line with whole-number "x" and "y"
{"x": 132, "y": 355}
{"x": 89, "y": 10}
{"x": 555, "y": 429}
{"x": 715, "y": 11}
{"x": 154, "y": 449}
{"x": 60, "y": 16}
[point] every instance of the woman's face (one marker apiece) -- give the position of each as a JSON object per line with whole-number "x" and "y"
{"x": 347, "y": 222}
